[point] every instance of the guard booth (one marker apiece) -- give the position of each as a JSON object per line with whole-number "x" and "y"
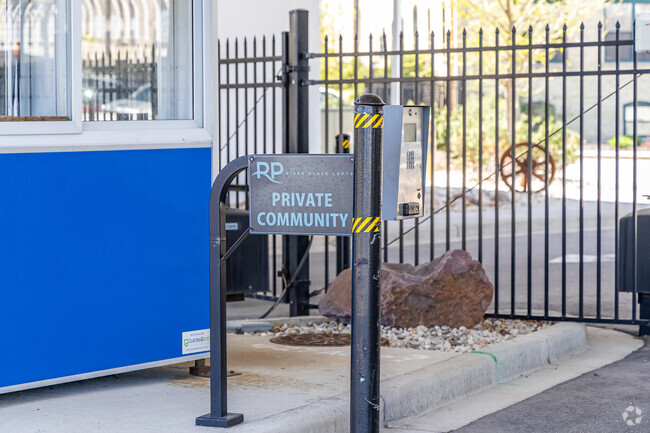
{"x": 106, "y": 129}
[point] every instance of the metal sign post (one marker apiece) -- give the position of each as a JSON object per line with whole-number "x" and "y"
{"x": 289, "y": 195}
{"x": 366, "y": 232}
{"x": 219, "y": 416}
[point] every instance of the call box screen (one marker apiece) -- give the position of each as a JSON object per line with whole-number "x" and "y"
{"x": 409, "y": 132}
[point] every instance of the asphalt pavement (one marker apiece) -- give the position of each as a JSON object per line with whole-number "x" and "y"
{"x": 615, "y": 398}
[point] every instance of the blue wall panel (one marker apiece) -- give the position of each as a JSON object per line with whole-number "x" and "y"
{"x": 103, "y": 259}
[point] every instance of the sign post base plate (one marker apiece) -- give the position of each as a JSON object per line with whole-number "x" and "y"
{"x": 229, "y": 420}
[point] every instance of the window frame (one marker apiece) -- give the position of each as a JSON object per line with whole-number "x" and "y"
{"x": 73, "y": 124}
{"x": 32, "y": 136}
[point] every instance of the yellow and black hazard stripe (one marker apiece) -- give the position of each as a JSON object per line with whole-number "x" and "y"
{"x": 346, "y": 143}
{"x": 367, "y": 121}
{"x": 367, "y": 225}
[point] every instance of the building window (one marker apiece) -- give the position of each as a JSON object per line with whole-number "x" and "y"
{"x": 34, "y": 57}
{"x": 626, "y": 52}
{"x": 137, "y": 60}
{"x": 624, "y": 14}
{"x": 642, "y": 119}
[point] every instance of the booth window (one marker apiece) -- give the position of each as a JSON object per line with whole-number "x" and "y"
{"x": 34, "y": 60}
{"x": 137, "y": 60}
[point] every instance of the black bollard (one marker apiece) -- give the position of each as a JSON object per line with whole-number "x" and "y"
{"x": 342, "y": 242}
{"x": 366, "y": 229}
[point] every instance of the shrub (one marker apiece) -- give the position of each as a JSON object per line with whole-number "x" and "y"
{"x": 624, "y": 141}
{"x": 488, "y": 134}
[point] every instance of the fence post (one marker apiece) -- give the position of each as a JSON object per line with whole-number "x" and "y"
{"x": 366, "y": 271}
{"x": 296, "y": 140}
{"x": 342, "y": 242}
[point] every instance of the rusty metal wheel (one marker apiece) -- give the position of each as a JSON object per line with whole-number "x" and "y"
{"x": 537, "y": 158}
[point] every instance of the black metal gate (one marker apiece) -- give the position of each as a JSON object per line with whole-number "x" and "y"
{"x": 530, "y": 169}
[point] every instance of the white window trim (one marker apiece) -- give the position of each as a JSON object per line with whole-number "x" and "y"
{"x": 28, "y": 137}
{"x": 72, "y": 126}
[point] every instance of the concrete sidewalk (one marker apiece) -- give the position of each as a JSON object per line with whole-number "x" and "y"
{"x": 286, "y": 389}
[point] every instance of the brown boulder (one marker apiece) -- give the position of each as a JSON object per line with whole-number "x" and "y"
{"x": 452, "y": 290}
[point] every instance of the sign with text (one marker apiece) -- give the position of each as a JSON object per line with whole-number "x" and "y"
{"x": 301, "y": 194}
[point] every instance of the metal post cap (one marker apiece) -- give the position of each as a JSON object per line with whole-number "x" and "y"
{"x": 369, "y": 99}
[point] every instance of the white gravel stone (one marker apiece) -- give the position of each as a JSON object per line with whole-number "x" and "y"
{"x": 489, "y": 331}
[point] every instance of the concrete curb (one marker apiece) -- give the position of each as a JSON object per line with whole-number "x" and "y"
{"x": 439, "y": 384}
{"x": 436, "y": 385}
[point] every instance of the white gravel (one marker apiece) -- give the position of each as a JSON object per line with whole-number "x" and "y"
{"x": 443, "y": 338}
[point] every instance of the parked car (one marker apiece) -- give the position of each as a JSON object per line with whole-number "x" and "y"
{"x": 95, "y": 89}
{"x": 138, "y": 104}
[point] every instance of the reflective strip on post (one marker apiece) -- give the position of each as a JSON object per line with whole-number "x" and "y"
{"x": 366, "y": 121}
{"x": 367, "y": 225}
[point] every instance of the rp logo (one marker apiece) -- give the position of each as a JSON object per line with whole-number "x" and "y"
{"x": 275, "y": 169}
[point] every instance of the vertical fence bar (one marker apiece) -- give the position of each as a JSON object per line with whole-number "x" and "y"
{"x": 237, "y": 112}
{"x": 370, "y": 65}
{"x": 327, "y": 95}
{"x": 599, "y": 170}
{"x": 582, "y": 172}
{"x": 264, "y": 101}
{"x": 617, "y": 185}
{"x": 341, "y": 86}
{"x": 547, "y": 146}
{"x": 219, "y": 106}
{"x": 339, "y": 244}
{"x": 529, "y": 175}
{"x": 564, "y": 54}
{"x": 265, "y": 126}
{"x": 103, "y": 68}
{"x": 246, "y": 88}
{"x": 401, "y": 101}
{"x": 432, "y": 147}
{"x": 356, "y": 65}
{"x": 416, "y": 100}
{"x": 386, "y": 85}
{"x": 255, "y": 113}
{"x": 447, "y": 141}
{"x": 228, "y": 110}
{"x": 480, "y": 145}
{"x": 274, "y": 133}
{"x": 634, "y": 179}
{"x": 513, "y": 155}
{"x": 496, "y": 172}
{"x": 464, "y": 150}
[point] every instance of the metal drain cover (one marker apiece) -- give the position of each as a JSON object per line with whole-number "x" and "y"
{"x": 317, "y": 339}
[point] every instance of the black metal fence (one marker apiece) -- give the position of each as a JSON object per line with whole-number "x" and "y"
{"x": 529, "y": 170}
